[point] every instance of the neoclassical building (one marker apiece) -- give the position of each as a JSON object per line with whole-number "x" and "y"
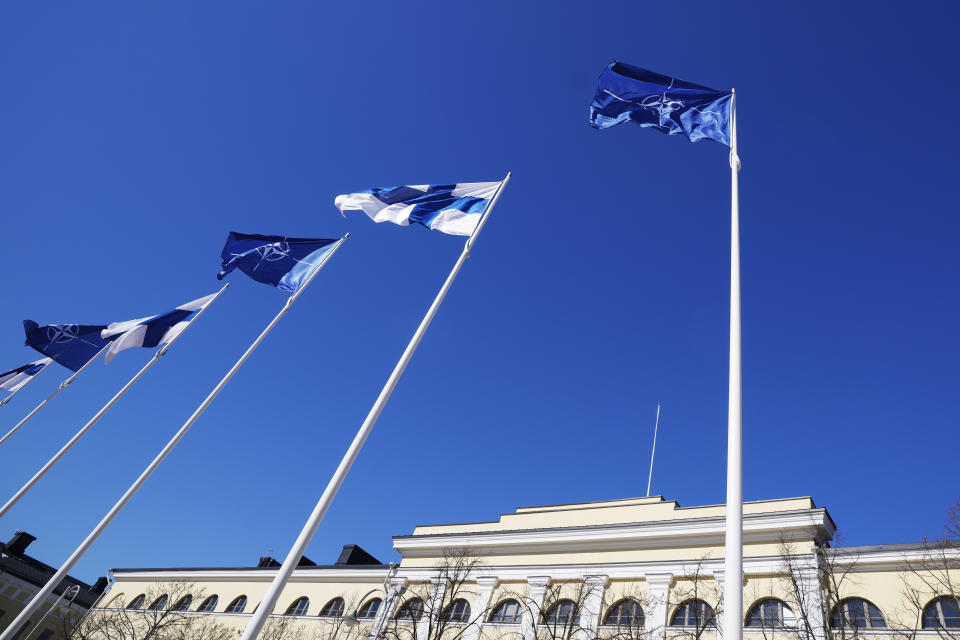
{"x": 619, "y": 569}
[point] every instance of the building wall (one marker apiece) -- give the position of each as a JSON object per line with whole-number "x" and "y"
{"x": 596, "y": 554}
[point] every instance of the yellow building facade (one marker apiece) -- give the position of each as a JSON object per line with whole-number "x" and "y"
{"x": 614, "y": 570}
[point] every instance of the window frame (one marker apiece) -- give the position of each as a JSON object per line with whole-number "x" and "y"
{"x": 298, "y": 607}
{"x": 463, "y": 617}
{"x": 237, "y": 605}
{"x": 411, "y": 610}
{"x": 364, "y": 612}
{"x": 935, "y": 605}
{"x": 843, "y": 606}
{"x": 325, "y": 610}
{"x": 614, "y": 609}
{"x": 703, "y": 604}
{"x": 209, "y": 604}
{"x": 501, "y": 605}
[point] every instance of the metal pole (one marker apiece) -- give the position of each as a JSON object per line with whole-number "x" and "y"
{"x": 75, "y": 590}
{"x": 63, "y": 385}
{"x": 733, "y": 543}
{"x": 139, "y": 482}
{"x": 656, "y": 425}
{"x": 31, "y": 379}
{"x": 103, "y": 411}
{"x": 313, "y": 522}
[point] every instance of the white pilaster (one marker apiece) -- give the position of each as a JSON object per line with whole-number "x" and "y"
{"x": 478, "y": 610}
{"x": 718, "y": 577}
{"x": 592, "y": 602}
{"x": 656, "y": 614}
{"x": 536, "y": 589}
{"x": 813, "y": 602}
{"x": 397, "y": 586}
{"x": 431, "y": 609}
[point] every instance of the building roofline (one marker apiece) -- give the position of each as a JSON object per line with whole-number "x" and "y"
{"x": 598, "y": 504}
{"x": 361, "y": 567}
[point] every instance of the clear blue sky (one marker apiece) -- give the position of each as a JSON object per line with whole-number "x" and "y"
{"x": 135, "y": 136}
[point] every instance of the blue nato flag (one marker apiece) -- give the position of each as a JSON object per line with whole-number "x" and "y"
{"x": 285, "y": 263}
{"x": 71, "y": 345}
{"x": 629, "y": 93}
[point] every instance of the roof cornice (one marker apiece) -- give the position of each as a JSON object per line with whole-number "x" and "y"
{"x": 757, "y": 527}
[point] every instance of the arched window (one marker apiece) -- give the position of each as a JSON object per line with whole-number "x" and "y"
{"x": 183, "y": 603}
{"x": 208, "y": 605}
{"x": 238, "y": 605}
{"x": 370, "y": 609}
{"x": 137, "y": 603}
{"x": 562, "y": 613}
{"x": 458, "y": 611}
{"x": 333, "y": 609}
{"x": 412, "y": 609}
{"x": 857, "y": 613}
{"x": 299, "y": 606}
{"x": 693, "y": 613}
{"x": 625, "y": 613}
{"x": 771, "y": 614}
{"x": 159, "y": 603}
{"x": 942, "y": 613}
{"x": 507, "y": 612}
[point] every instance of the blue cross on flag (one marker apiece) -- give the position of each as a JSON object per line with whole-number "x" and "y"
{"x": 153, "y": 330}
{"x": 455, "y": 209}
{"x": 14, "y": 379}
{"x": 71, "y": 345}
{"x": 285, "y": 263}
{"x": 628, "y": 93}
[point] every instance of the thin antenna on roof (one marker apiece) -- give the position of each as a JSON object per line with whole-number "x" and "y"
{"x": 656, "y": 426}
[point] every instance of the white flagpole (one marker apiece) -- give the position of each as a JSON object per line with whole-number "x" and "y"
{"x": 733, "y": 543}
{"x": 313, "y": 522}
{"x": 67, "y": 566}
{"x": 656, "y": 425}
{"x": 63, "y": 385}
{"x": 103, "y": 411}
{"x": 24, "y": 385}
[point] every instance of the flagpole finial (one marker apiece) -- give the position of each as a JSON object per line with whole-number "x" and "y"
{"x": 733, "y": 90}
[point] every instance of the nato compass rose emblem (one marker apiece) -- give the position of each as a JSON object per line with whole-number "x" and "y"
{"x": 662, "y": 105}
{"x": 273, "y": 252}
{"x": 60, "y": 333}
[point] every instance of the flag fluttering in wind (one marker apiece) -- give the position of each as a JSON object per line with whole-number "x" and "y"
{"x": 14, "y": 379}
{"x": 451, "y": 208}
{"x": 628, "y": 93}
{"x": 71, "y": 345}
{"x": 285, "y": 263}
{"x": 151, "y": 331}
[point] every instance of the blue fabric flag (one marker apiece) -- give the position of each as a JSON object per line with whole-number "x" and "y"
{"x": 455, "y": 209}
{"x": 285, "y": 263}
{"x": 14, "y": 379}
{"x": 625, "y": 92}
{"x": 71, "y": 345}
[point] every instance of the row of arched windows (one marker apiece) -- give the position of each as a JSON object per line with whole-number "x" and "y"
{"x": 942, "y": 612}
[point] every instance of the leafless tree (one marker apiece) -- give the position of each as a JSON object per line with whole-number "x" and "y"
{"x": 814, "y": 581}
{"x": 442, "y": 609}
{"x": 699, "y": 586}
{"x": 160, "y": 614}
{"x": 932, "y": 573}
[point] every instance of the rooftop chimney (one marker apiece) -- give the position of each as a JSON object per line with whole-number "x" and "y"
{"x": 99, "y": 586}
{"x": 19, "y": 543}
{"x": 353, "y": 554}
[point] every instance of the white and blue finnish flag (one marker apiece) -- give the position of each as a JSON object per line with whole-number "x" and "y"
{"x": 451, "y": 208}
{"x": 14, "y": 379}
{"x": 153, "y": 330}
